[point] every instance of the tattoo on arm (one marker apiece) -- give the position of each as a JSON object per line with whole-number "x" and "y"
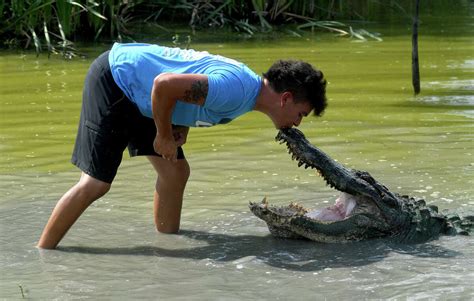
{"x": 198, "y": 92}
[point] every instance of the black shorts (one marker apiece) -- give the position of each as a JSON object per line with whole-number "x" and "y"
{"x": 109, "y": 122}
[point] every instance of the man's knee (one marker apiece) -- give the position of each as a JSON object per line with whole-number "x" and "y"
{"x": 92, "y": 188}
{"x": 180, "y": 171}
{"x": 177, "y": 173}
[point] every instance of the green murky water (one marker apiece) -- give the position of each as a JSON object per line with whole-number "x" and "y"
{"x": 422, "y": 146}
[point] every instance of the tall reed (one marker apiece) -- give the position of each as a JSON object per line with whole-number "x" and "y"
{"x": 53, "y": 24}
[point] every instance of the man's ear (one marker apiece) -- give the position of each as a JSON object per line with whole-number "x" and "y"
{"x": 285, "y": 97}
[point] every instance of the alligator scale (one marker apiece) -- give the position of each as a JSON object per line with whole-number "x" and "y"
{"x": 365, "y": 209}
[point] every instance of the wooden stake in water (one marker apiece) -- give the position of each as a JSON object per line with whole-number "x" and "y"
{"x": 415, "y": 68}
{"x": 21, "y": 290}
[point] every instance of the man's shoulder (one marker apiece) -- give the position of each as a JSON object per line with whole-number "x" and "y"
{"x": 231, "y": 70}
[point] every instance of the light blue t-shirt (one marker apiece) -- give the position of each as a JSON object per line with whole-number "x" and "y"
{"x": 233, "y": 87}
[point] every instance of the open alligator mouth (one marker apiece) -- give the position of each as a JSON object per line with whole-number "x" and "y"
{"x": 355, "y": 209}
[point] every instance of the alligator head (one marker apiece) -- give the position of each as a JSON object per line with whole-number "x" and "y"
{"x": 365, "y": 209}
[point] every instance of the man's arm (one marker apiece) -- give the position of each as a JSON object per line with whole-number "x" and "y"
{"x": 167, "y": 89}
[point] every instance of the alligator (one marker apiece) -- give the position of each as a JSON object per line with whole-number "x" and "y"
{"x": 366, "y": 209}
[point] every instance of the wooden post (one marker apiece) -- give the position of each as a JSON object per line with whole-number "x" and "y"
{"x": 415, "y": 68}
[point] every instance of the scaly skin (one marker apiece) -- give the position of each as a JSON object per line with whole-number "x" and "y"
{"x": 377, "y": 213}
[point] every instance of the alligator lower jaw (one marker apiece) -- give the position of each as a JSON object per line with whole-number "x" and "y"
{"x": 349, "y": 219}
{"x": 344, "y": 207}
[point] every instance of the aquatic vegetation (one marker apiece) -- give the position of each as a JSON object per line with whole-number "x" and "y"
{"x": 53, "y": 25}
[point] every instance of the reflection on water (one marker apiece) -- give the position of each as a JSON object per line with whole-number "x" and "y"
{"x": 455, "y": 84}
{"x": 420, "y": 146}
{"x": 465, "y": 113}
{"x": 465, "y": 64}
{"x": 454, "y": 100}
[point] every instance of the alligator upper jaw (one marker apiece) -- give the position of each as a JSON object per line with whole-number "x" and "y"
{"x": 307, "y": 155}
{"x": 336, "y": 175}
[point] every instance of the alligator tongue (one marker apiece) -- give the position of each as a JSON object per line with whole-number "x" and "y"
{"x": 339, "y": 211}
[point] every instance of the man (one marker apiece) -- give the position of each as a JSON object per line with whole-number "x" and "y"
{"x": 147, "y": 96}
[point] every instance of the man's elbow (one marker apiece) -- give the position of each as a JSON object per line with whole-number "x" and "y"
{"x": 162, "y": 80}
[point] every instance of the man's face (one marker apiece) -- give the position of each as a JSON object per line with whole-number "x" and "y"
{"x": 291, "y": 112}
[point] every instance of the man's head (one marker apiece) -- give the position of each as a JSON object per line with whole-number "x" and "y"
{"x": 299, "y": 82}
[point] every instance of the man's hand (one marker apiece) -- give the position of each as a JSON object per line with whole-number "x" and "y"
{"x": 180, "y": 133}
{"x": 167, "y": 148}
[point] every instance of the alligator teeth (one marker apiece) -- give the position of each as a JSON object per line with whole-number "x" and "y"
{"x": 306, "y": 166}
{"x": 300, "y": 163}
{"x": 328, "y": 183}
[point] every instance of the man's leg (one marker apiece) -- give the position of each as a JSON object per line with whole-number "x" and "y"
{"x": 70, "y": 207}
{"x": 168, "y": 199}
